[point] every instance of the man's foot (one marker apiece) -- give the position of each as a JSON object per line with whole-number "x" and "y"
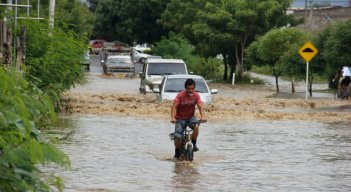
{"x": 195, "y": 148}
{"x": 175, "y": 159}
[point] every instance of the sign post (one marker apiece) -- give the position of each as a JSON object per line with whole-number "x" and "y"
{"x": 307, "y": 52}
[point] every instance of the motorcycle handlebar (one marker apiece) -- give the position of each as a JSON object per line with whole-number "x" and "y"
{"x": 201, "y": 121}
{"x": 197, "y": 122}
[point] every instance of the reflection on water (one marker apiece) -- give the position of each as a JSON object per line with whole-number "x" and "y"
{"x": 185, "y": 177}
{"x": 114, "y": 153}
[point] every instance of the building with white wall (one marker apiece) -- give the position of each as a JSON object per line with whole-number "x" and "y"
{"x": 321, "y": 3}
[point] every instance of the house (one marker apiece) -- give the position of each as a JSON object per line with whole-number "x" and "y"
{"x": 320, "y": 3}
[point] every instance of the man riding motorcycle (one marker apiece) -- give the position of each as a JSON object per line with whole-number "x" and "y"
{"x": 183, "y": 114}
{"x": 345, "y": 76}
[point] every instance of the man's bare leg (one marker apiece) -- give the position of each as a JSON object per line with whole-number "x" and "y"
{"x": 195, "y": 135}
{"x": 177, "y": 145}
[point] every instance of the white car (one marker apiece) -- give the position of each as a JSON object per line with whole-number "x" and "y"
{"x": 154, "y": 70}
{"x": 139, "y": 56}
{"x": 142, "y": 48}
{"x": 118, "y": 63}
{"x": 173, "y": 84}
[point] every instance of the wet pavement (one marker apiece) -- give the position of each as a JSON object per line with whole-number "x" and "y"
{"x": 112, "y": 153}
{"x": 285, "y": 86}
{"x": 129, "y": 83}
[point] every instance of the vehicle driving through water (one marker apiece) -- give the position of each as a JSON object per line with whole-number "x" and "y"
{"x": 154, "y": 70}
{"x": 187, "y": 147}
{"x": 171, "y": 85}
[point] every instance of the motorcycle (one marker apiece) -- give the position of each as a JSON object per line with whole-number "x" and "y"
{"x": 187, "y": 147}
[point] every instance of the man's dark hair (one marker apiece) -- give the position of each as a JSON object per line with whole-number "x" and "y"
{"x": 189, "y": 82}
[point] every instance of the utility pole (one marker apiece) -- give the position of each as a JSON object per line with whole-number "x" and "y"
{"x": 7, "y": 52}
{"x": 51, "y": 13}
{"x": 304, "y": 25}
{"x": 9, "y": 9}
{"x": 311, "y": 13}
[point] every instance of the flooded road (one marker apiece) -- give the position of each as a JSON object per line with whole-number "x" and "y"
{"x": 253, "y": 141}
{"x": 115, "y": 153}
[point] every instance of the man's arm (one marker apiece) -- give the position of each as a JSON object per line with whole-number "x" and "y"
{"x": 174, "y": 112}
{"x": 201, "y": 110}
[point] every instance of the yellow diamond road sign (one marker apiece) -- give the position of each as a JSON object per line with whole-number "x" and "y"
{"x": 308, "y": 51}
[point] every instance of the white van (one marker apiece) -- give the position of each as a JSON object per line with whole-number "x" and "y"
{"x": 154, "y": 69}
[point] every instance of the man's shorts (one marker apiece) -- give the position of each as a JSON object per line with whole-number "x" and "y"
{"x": 180, "y": 125}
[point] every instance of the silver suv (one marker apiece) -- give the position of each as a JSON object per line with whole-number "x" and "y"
{"x": 154, "y": 70}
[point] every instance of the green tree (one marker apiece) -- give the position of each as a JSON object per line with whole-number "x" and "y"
{"x": 75, "y": 16}
{"x": 324, "y": 69}
{"x": 335, "y": 50}
{"x": 252, "y": 57}
{"x": 52, "y": 66}
{"x": 274, "y": 47}
{"x": 71, "y": 15}
{"x": 53, "y": 60}
{"x": 129, "y": 20}
{"x": 173, "y": 47}
{"x": 177, "y": 47}
{"x": 227, "y": 26}
{"x": 292, "y": 63}
{"x": 23, "y": 108}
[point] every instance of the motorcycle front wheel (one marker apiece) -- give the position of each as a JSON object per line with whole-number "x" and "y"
{"x": 190, "y": 154}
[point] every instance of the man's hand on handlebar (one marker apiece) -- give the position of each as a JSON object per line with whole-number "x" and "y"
{"x": 202, "y": 121}
{"x": 173, "y": 120}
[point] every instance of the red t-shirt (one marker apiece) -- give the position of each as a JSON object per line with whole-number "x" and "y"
{"x": 186, "y": 104}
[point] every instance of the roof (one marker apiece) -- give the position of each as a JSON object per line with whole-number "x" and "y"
{"x": 118, "y": 56}
{"x": 159, "y": 60}
{"x": 184, "y": 76}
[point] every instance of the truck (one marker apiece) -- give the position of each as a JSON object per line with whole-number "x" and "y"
{"x": 154, "y": 70}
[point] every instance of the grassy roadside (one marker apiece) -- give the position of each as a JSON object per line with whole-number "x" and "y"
{"x": 265, "y": 70}
{"x": 246, "y": 79}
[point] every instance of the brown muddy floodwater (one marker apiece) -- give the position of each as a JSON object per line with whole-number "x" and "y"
{"x": 118, "y": 153}
{"x": 255, "y": 140}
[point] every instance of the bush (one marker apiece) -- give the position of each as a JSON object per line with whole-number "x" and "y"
{"x": 53, "y": 59}
{"x": 22, "y": 106}
{"x": 209, "y": 68}
{"x": 336, "y": 41}
{"x": 173, "y": 47}
{"x": 177, "y": 47}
